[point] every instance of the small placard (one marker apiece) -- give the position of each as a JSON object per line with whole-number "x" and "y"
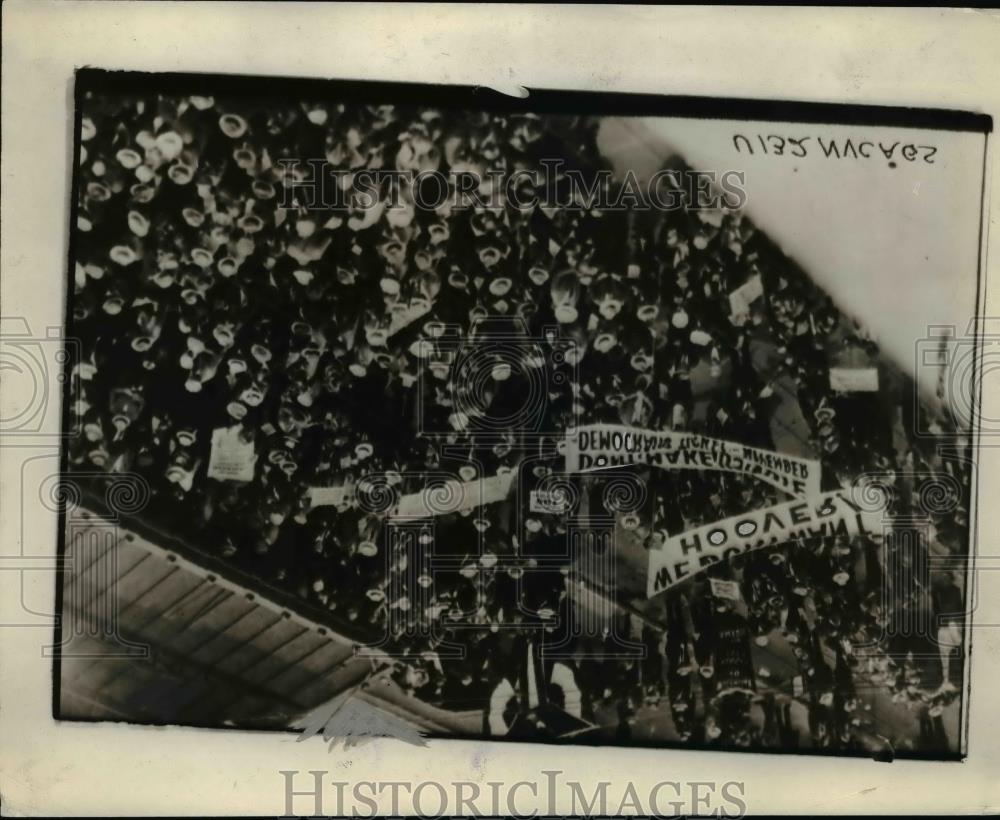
{"x": 729, "y": 590}
{"x": 741, "y": 298}
{"x": 547, "y": 501}
{"x": 232, "y": 457}
{"x": 854, "y": 379}
{"x": 328, "y": 496}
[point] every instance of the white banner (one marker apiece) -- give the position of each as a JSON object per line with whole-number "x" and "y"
{"x": 442, "y": 498}
{"x": 454, "y": 496}
{"x": 599, "y": 446}
{"x": 688, "y": 553}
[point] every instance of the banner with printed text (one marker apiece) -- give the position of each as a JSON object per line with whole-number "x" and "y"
{"x": 686, "y": 554}
{"x": 600, "y": 446}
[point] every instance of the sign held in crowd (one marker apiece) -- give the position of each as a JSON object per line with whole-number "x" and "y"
{"x": 741, "y": 299}
{"x": 729, "y": 590}
{"x": 833, "y": 514}
{"x": 600, "y": 446}
{"x": 454, "y": 496}
{"x": 331, "y": 496}
{"x": 232, "y": 457}
{"x": 451, "y": 496}
{"x": 854, "y": 379}
{"x": 552, "y": 502}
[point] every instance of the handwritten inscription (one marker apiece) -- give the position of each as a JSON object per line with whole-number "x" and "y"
{"x": 784, "y": 146}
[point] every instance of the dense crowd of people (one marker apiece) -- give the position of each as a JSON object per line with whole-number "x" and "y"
{"x": 373, "y": 348}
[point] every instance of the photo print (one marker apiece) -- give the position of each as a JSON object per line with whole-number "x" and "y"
{"x": 571, "y": 418}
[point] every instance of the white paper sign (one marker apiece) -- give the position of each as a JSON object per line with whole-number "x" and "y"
{"x": 232, "y": 458}
{"x": 741, "y": 298}
{"x": 729, "y": 590}
{"x": 547, "y": 501}
{"x": 753, "y": 289}
{"x": 854, "y": 379}
{"x": 330, "y": 496}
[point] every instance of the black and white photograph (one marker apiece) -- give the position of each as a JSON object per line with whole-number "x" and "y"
{"x": 498, "y": 410}
{"x": 583, "y": 419}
